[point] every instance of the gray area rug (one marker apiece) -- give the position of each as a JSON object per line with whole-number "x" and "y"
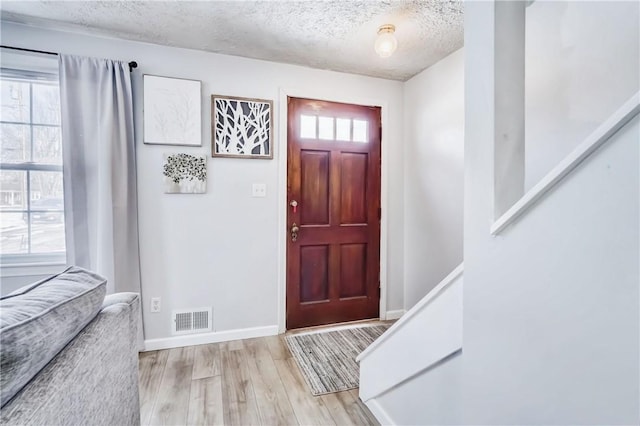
{"x": 327, "y": 359}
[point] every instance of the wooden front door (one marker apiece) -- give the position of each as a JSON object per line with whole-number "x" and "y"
{"x": 333, "y": 189}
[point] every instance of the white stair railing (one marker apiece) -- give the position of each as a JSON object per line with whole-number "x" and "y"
{"x": 428, "y": 333}
{"x": 595, "y": 140}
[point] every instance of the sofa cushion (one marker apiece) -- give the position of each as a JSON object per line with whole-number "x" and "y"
{"x": 38, "y": 320}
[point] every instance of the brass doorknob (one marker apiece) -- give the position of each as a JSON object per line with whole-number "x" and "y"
{"x": 294, "y": 232}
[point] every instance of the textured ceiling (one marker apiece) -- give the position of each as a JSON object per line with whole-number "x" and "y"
{"x": 335, "y": 35}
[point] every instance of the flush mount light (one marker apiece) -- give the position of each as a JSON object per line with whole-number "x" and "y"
{"x": 386, "y": 42}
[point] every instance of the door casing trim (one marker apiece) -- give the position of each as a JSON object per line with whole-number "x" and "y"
{"x": 282, "y": 156}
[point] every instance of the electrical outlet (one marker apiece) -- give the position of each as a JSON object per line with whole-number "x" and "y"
{"x": 155, "y": 304}
{"x": 259, "y": 190}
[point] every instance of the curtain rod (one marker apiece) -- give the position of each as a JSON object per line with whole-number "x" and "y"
{"x": 132, "y": 64}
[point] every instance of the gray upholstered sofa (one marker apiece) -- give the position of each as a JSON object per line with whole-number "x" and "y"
{"x": 68, "y": 354}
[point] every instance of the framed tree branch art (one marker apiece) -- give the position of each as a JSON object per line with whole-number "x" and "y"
{"x": 241, "y": 127}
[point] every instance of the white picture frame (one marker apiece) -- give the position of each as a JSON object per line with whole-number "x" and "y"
{"x": 172, "y": 111}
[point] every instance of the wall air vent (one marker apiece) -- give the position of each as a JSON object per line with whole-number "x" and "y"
{"x": 189, "y": 321}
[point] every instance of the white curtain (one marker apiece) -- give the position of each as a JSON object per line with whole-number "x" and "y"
{"x": 100, "y": 191}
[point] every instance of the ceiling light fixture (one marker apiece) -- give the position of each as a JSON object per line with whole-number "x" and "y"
{"x": 386, "y": 42}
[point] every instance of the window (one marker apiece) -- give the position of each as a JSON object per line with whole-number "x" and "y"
{"x": 31, "y": 192}
{"x": 340, "y": 129}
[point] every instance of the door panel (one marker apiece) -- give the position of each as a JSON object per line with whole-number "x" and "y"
{"x": 333, "y": 175}
{"x": 314, "y": 273}
{"x": 353, "y": 179}
{"x": 353, "y": 270}
{"x": 314, "y": 191}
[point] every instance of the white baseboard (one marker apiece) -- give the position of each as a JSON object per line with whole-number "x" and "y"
{"x": 378, "y": 412}
{"x": 394, "y": 315}
{"x": 204, "y": 338}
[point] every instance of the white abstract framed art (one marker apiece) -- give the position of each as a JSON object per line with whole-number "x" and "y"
{"x": 241, "y": 127}
{"x": 172, "y": 111}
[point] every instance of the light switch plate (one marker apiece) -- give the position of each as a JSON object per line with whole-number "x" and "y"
{"x": 259, "y": 190}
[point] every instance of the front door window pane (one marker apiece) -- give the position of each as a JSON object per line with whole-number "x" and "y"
{"x": 343, "y": 129}
{"x": 308, "y": 126}
{"x": 360, "y": 131}
{"x": 325, "y": 128}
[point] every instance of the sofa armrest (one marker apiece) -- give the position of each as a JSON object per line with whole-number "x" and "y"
{"x": 115, "y": 298}
{"x": 93, "y": 380}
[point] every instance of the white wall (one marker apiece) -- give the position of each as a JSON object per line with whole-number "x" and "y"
{"x": 551, "y": 305}
{"x": 582, "y": 64}
{"x": 551, "y": 331}
{"x": 433, "y": 175}
{"x": 431, "y": 398}
{"x": 220, "y": 249}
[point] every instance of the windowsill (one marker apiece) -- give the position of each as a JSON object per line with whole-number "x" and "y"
{"x": 31, "y": 269}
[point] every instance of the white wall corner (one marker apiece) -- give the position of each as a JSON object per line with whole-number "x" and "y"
{"x": 394, "y": 315}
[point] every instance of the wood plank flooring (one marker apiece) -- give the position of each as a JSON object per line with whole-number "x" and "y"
{"x": 244, "y": 382}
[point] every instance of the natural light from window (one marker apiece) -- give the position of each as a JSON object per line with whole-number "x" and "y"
{"x": 31, "y": 191}
{"x": 330, "y": 128}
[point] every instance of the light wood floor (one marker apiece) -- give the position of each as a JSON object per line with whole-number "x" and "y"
{"x": 244, "y": 382}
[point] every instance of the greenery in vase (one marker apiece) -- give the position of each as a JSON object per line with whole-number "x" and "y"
{"x": 185, "y": 167}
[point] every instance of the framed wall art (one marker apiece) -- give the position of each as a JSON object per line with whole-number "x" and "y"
{"x": 241, "y": 127}
{"x": 184, "y": 173}
{"x": 172, "y": 111}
